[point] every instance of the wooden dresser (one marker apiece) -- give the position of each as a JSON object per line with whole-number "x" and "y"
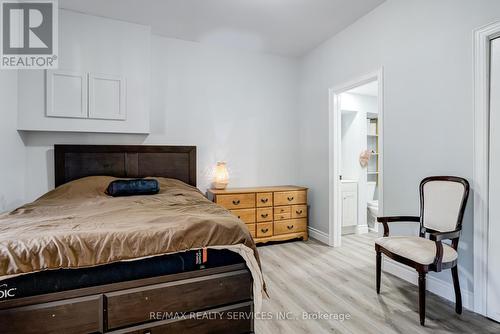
{"x": 270, "y": 213}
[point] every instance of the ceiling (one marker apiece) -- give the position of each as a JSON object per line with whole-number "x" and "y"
{"x": 283, "y": 27}
{"x": 370, "y": 89}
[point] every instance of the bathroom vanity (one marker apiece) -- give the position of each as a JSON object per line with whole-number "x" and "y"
{"x": 349, "y": 196}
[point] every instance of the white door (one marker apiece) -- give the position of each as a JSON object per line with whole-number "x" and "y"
{"x": 493, "y": 296}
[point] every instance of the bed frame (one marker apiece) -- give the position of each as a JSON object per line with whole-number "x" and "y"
{"x": 76, "y": 161}
{"x": 203, "y": 301}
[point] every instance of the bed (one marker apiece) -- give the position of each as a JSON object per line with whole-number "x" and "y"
{"x": 79, "y": 261}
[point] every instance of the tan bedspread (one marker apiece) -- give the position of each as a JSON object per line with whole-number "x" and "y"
{"x": 77, "y": 225}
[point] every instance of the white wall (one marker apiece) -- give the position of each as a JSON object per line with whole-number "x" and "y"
{"x": 233, "y": 105}
{"x": 11, "y": 145}
{"x": 357, "y": 102}
{"x": 425, "y": 48}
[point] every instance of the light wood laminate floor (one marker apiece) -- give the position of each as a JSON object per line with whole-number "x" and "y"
{"x": 312, "y": 277}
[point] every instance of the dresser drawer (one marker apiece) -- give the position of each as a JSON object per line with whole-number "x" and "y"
{"x": 290, "y": 226}
{"x": 282, "y": 216}
{"x": 178, "y": 296}
{"x": 290, "y": 197}
{"x": 78, "y": 315}
{"x": 299, "y": 211}
{"x": 246, "y": 215}
{"x": 264, "y": 199}
{"x": 232, "y": 319}
{"x": 282, "y": 209}
{"x": 236, "y": 201}
{"x": 264, "y": 214}
{"x": 264, "y": 230}
{"x": 251, "y": 228}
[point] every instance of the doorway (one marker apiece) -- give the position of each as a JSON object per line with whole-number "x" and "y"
{"x": 356, "y": 156}
{"x": 486, "y": 165}
{"x": 493, "y": 279}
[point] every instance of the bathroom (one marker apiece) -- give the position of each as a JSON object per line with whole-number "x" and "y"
{"x": 360, "y": 160}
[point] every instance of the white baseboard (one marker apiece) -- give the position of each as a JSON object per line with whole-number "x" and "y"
{"x": 434, "y": 285}
{"x": 361, "y": 229}
{"x": 318, "y": 235}
{"x": 353, "y": 229}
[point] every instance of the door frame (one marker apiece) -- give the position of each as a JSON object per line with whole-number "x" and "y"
{"x": 482, "y": 39}
{"x": 334, "y": 149}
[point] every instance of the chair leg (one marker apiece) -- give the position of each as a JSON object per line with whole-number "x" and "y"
{"x": 421, "y": 296}
{"x": 379, "y": 270}
{"x": 456, "y": 285}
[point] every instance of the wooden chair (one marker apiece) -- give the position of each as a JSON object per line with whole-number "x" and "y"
{"x": 442, "y": 205}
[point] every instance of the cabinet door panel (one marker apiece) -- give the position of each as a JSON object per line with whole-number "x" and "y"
{"x": 66, "y": 94}
{"x": 349, "y": 208}
{"x": 107, "y": 97}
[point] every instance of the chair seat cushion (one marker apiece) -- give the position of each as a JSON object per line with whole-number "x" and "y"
{"x": 417, "y": 249}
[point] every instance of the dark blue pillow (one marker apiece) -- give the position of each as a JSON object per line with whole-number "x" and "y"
{"x": 133, "y": 187}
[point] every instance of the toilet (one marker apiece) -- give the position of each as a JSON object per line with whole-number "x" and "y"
{"x": 372, "y": 213}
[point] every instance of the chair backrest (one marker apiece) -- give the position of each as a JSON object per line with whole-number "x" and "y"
{"x": 442, "y": 203}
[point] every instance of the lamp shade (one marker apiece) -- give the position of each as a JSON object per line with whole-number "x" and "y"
{"x": 221, "y": 176}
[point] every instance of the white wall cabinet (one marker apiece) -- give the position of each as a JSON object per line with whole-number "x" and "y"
{"x": 85, "y": 95}
{"x": 349, "y": 197}
{"x": 102, "y": 84}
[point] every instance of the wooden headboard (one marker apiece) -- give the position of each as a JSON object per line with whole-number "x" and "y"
{"x": 76, "y": 161}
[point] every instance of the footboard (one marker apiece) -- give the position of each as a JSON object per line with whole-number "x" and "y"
{"x": 216, "y": 300}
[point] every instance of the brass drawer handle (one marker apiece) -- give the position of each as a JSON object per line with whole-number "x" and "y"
{"x": 264, "y": 200}
{"x": 289, "y": 227}
{"x": 264, "y": 230}
{"x": 299, "y": 212}
{"x": 290, "y": 198}
{"x": 264, "y": 215}
{"x": 236, "y": 202}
